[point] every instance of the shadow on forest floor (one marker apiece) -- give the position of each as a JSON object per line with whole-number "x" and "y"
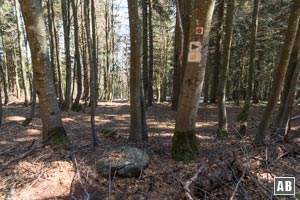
{"x": 50, "y": 173}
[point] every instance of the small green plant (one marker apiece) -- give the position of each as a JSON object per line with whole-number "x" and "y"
{"x": 222, "y": 133}
{"x": 26, "y": 122}
{"x": 105, "y": 131}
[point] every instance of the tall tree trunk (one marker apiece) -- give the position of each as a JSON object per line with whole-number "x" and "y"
{"x": 22, "y": 63}
{"x": 92, "y": 70}
{"x": 284, "y": 125}
{"x": 3, "y": 69}
{"x": 184, "y": 144}
{"x": 94, "y": 50}
{"x": 217, "y": 54}
{"x": 5, "y": 87}
{"x": 145, "y": 46}
{"x": 16, "y": 85}
{"x": 58, "y": 59}
{"x": 52, "y": 46}
{"x": 177, "y": 63}
{"x": 65, "y": 8}
{"x": 222, "y": 83}
{"x": 280, "y": 72}
{"x": 243, "y": 116}
{"x": 53, "y": 130}
{"x": 151, "y": 57}
{"x": 1, "y": 104}
{"x": 136, "y": 122}
{"x": 257, "y": 81}
{"x": 76, "y": 105}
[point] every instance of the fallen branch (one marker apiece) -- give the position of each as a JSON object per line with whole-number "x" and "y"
{"x": 186, "y": 187}
{"x": 237, "y": 185}
{"x": 295, "y": 118}
{"x": 30, "y": 150}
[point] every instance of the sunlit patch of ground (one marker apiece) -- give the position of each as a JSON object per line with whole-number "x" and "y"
{"x": 50, "y": 173}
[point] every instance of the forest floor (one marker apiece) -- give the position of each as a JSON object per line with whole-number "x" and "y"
{"x": 30, "y": 171}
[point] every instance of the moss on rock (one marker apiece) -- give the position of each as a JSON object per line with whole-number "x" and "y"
{"x": 58, "y": 137}
{"x": 184, "y": 146}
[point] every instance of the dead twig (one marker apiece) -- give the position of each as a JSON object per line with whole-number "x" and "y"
{"x": 237, "y": 185}
{"x": 83, "y": 186}
{"x": 8, "y": 150}
{"x": 186, "y": 187}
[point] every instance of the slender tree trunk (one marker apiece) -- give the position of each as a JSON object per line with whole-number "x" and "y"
{"x": 136, "y": 122}
{"x": 57, "y": 53}
{"x": 284, "y": 125}
{"x": 177, "y": 64}
{"x": 92, "y": 70}
{"x": 22, "y": 63}
{"x": 65, "y": 7}
{"x": 222, "y": 83}
{"x": 280, "y": 72}
{"x": 1, "y": 104}
{"x": 28, "y": 120}
{"x": 52, "y": 47}
{"x": 217, "y": 54}
{"x": 94, "y": 50}
{"x": 288, "y": 78}
{"x": 257, "y": 81}
{"x": 184, "y": 144}
{"x": 151, "y": 57}
{"x": 53, "y": 130}
{"x": 243, "y": 116}
{"x": 145, "y": 46}
{"x": 76, "y": 105}
{"x": 289, "y": 88}
{"x": 5, "y": 87}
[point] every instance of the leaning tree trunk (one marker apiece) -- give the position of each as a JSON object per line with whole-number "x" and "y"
{"x": 53, "y": 130}
{"x": 243, "y": 116}
{"x": 136, "y": 122}
{"x": 280, "y": 72}
{"x": 222, "y": 83}
{"x": 287, "y": 114}
{"x": 288, "y": 77}
{"x": 184, "y": 144}
{"x": 288, "y": 93}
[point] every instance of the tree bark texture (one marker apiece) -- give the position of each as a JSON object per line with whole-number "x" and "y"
{"x": 184, "y": 145}
{"x": 217, "y": 54}
{"x": 53, "y": 130}
{"x": 136, "y": 125}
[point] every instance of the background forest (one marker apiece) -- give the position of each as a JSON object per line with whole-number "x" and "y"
{"x": 79, "y": 78}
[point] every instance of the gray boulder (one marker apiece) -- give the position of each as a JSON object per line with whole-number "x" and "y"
{"x": 124, "y": 162}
